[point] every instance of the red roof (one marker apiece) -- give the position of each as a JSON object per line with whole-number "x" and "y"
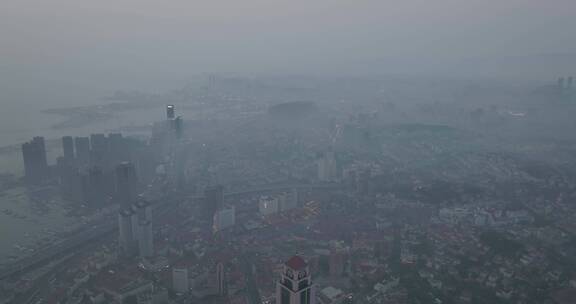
{"x": 296, "y": 263}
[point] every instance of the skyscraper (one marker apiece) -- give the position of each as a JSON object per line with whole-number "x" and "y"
{"x": 213, "y": 200}
{"x": 178, "y": 127}
{"x": 98, "y": 149}
{"x": 561, "y": 83}
{"x": 127, "y": 241}
{"x": 336, "y": 262}
{"x": 288, "y": 201}
{"x": 98, "y": 142}
{"x": 117, "y": 148}
{"x": 170, "y": 112}
{"x": 68, "y": 147}
{"x": 145, "y": 239}
{"x": 220, "y": 279}
{"x": 82, "y": 149}
{"x": 224, "y": 218}
{"x": 268, "y": 205}
{"x": 126, "y": 184}
{"x": 174, "y": 124}
{"x": 35, "y": 162}
{"x": 143, "y": 218}
{"x": 363, "y": 181}
{"x": 295, "y": 285}
{"x": 143, "y": 210}
{"x": 70, "y": 179}
{"x": 136, "y": 234}
{"x": 180, "y": 281}
{"x": 98, "y": 186}
{"x": 135, "y": 219}
{"x": 327, "y": 167}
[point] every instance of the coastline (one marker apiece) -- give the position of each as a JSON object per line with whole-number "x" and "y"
{"x": 28, "y": 225}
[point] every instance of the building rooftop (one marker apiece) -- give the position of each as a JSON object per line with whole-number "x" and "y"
{"x": 331, "y": 293}
{"x": 296, "y": 263}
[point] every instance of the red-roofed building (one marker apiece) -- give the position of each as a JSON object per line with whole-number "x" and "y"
{"x": 295, "y": 285}
{"x": 296, "y": 263}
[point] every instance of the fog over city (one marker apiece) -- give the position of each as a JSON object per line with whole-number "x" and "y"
{"x": 301, "y": 152}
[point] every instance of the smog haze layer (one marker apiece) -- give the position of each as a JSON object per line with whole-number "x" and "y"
{"x": 212, "y": 151}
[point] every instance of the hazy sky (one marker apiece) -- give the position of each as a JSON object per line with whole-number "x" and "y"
{"x": 140, "y": 42}
{"x": 72, "y": 52}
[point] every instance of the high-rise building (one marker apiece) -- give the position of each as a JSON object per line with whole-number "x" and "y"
{"x": 178, "y": 127}
{"x": 143, "y": 210}
{"x": 127, "y": 241}
{"x": 289, "y": 201}
{"x": 91, "y": 186}
{"x": 170, "y": 112}
{"x": 99, "y": 149}
{"x": 363, "y": 181}
{"x": 213, "y": 200}
{"x": 35, "y": 162}
{"x": 98, "y": 142}
{"x": 174, "y": 124}
{"x": 97, "y": 187}
{"x": 145, "y": 239}
{"x": 268, "y": 205}
{"x": 82, "y": 145}
{"x": 561, "y": 83}
{"x": 211, "y": 85}
{"x": 336, "y": 262}
{"x": 224, "y": 218}
{"x": 117, "y": 148}
{"x": 72, "y": 181}
{"x": 126, "y": 184}
{"x": 38, "y": 140}
{"x": 327, "y": 167}
{"x": 295, "y": 285}
{"x": 68, "y": 147}
{"x": 220, "y": 279}
{"x": 349, "y": 177}
{"x": 143, "y": 220}
{"x": 135, "y": 219}
{"x": 180, "y": 281}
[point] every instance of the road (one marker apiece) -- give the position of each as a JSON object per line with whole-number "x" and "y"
{"x": 72, "y": 243}
{"x": 252, "y": 287}
{"x": 81, "y": 238}
{"x": 101, "y": 230}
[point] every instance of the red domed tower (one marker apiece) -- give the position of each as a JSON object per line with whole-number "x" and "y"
{"x": 295, "y": 285}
